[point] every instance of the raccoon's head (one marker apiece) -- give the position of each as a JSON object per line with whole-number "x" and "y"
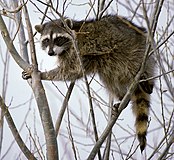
{"x": 54, "y": 37}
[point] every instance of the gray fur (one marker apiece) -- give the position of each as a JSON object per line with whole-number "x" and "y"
{"x": 112, "y": 47}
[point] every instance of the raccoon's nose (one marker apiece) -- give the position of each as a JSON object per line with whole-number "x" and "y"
{"x": 51, "y": 52}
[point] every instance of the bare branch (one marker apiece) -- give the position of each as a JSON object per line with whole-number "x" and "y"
{"x": 71, "y": 136}
{"x": 10, "y": 46}
{"x": 16, "y": 10}
{"x": 170, "y": 142}
{"x": 49, "y": 132}
{"x": 63, "y": 108}
{"x": 104, "y": 9}
{"x": 15, "y": 132}
{"x": 108, "y": 143}
{"x": 21, "y": 34}
{"x": 31, "y": 38}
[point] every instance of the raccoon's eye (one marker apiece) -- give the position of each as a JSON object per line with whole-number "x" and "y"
{"x": 45, "y": 42}
{"x": 59, "y": 41}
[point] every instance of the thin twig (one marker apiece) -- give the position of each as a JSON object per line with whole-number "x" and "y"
{"x": 9, "y": 43}
{"x": 16, "y": 10}
{"x": 170, "y": 142}
{"x": 108, "y": 143}
{"x": 21, "y": 33}
{"x": 15, "y": 132}
{"x": 71, "y": 136}
{"x": 104, "y": 9}
{"x": 34, "y": 142}
{"x": 63, "y": 108}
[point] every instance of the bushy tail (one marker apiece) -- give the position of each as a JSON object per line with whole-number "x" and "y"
{"x": 141, "y": 106}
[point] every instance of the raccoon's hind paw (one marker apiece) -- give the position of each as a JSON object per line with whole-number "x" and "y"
{"x": 147, "y": 86}
{"x": 26, "y": 74}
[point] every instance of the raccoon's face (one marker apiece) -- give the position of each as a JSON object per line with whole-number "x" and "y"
{"x": 55, "y": 44}
{"x": 54, "y": 38}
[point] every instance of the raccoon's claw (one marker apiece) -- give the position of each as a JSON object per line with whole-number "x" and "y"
{"x": 26, "y": 74}
{"x": 115, "y": 109}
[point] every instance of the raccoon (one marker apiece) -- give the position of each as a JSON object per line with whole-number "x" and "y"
{"x": 112, "y": 47}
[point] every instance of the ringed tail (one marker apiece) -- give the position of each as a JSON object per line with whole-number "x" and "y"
{"x": 141, "y": 105}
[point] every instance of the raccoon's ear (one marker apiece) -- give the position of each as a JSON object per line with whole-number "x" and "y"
{"x": 69, "y": 23}
{"x": 39, "y": 28}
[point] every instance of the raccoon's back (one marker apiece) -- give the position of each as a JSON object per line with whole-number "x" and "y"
{"x": 115, "y": 53}
{"x": 108, "y": 34}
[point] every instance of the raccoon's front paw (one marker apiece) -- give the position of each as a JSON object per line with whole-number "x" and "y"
{"x": 26, "y": 74}
{"x": 115, "y": 109}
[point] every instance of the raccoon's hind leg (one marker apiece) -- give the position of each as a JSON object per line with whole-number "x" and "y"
{"x": 141, "y": 106}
